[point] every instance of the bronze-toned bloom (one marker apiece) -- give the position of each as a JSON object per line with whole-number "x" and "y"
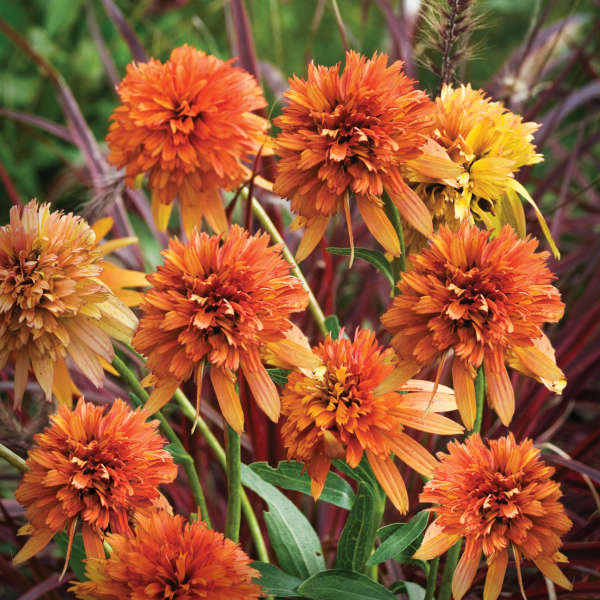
{"x": 485, "y": 300}
{"x": 53, "y": 300}
{"x": 354, "y": 402}
{"x": 189, "y": 124}
{"x": 498, "y": 498}
{"x": 220, "y": 301}
{"x": 94, "y": 467}
{"x": 346, "y": 136}
{"x": 488, "y": 145}
{"x": 168, "y": 559}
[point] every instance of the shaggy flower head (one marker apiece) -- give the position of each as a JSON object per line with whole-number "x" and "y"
{"x": 53, "y": 301}
{"x": 220, "y": 301}
{"x": 189, "y": 124}
{"x": 350, "y": 404}
{"x": 488, "y": 144}
{"x": 351, "y": 133}
{"x": 497, "y": 498}
{"x": 168, "y": 559}
{"x": 486, "y": 300}
{"x": 99, "y": 468}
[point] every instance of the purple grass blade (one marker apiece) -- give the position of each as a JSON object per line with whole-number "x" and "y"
{"x": 401, "y": 32}
{"x": 53, "y": 582}
{"x": 131, "y": 39}
{"x": 49, "y": 126}
{"x": 103, "y": 53}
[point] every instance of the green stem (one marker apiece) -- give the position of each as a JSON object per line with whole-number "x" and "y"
{"x": 398, "y": 264}
{"x": 453, "y": 554}
{"x": 373, "y": 570}
{"x": 139, "y": 397}
{"x": 190, "y": 413}
{"x": 432, "y": 578}
{"x": 14, "y": 459}
{"x": 234, "y": 483}
{"x": 269, "y": 227}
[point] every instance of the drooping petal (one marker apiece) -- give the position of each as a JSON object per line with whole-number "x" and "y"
{"x": 500, "y": 393}
{"x": 313, "y": 233}
{"x": 92, "y": 542}
{"x": 43, "y": 369}
{"x": 435, "y": 542}
{"x": 21, "y": 373}
{"x": 464, "y": 387}
{"x": 36, "y": 543}
{"x": 63, "y": 387}
{"x": 550, "y": 569}
{"x": 495, "y": 576}
{"x": 228, "y": 399}
{"x": 409, "y": 451}
{"x": 379, "y": 225}
{"x": 161, "y": 212}
{"x": 390, "y": 480}
{"x": 161, "y": 394}
{"x": 540, "y": 365}
{"x": 263, "y": 389}
{"x": 318, "y": 469}
{"x": 465, "y": 572}
{"x": 432, "y": 423}
{"x": 413, "y": 209}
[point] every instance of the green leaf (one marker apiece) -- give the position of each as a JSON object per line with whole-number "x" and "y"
{"x": 289, "y": 476}
{"x": 376, "y": 258}
{"x": 332, "y": 324}
{"x": 336, "y": 584}
{"x": 279, "y": 376}
{"x": 180, "y": 456}
{"x": 413, "y": 590}
{"x": 361, "y": 473}
{"x": 292, "y": 537}
{"x": 357, "y": 538}
{"x": 275, "y": 581}
{"x": 400, "y": 539}
{"x": 76, "y": 563}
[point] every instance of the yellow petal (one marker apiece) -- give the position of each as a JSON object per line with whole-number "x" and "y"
{"x": 63, "y": 387}
{"x": 113, "y": 245}
{"x": 435, "y": 164}
{"x": 465, "y": 572}
{"x": 313, "y": 233}
{"x": 43, "y": 369}
{"x": 161, "y": 394}
{"x": 409, "y": 451}
{"x": 464, "y": 387}
{"x": 500, "y": 393}
{"x": 398, "y": 377}
{"x": 549, "y": 568}
{"x": 161, "y": 212}
{"x": 292, "y": 354}
{"x": 379, "y": 225}
{"x": 36, "y": 543}
{"x": 265, "y": 184}
{"x": 390, "y": 480}
{"x": 413, "y": 209}
{"x": 228, "y": 399}
{"x": 532, "y": 360}
{"x": 21, "y": 375}
{"x": 101, "y": 227}
{"x": 435, "y": 542}
{"x": 495, "y": 576}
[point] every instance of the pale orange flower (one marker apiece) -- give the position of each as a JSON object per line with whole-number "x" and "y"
{"x": 350, "y": 134}
{"x": 55, "y": 300}
{"x": 356, "y": 401}
{"x": 485, "y": 300}
{"x": 497, "y": 498}
{"x": 220, "y": 301}
{"x": 188, "y": 124}
{"x": 167, "y": 558}
{"x": 95, "y": 467}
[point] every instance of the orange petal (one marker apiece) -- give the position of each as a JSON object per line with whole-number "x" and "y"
{"x": 500, "y": 393}
{"x": 413, "y": 209}
{"x": 542, "y": 366}
{"x": 409, "y": 451}
{"x": 199, "y": 378}
{"x": 432, "y": 423}
{"x": 71, "y": 536}
{"x": 43, "y": 369}
{"x": 21, "y": 373}
{"x": 398, "y": 377}
{"x": 390, "y": 480}
{"x": 36, "y": 543}
{"x": 101, "y": 227}
{"x": 349, "y": 226}
{"x": 115, "y": 244}
{"x": 62, "y": 386}
{"x": 435, "y": 164}
{"x": 379, "y": 225}
{"x": 161, "y": 394}
{"x": 313, "y": 233}
{"x": 442, "y": 402}
{"x": 264, "y": 391}
{"x": 435, "y": 542}
{"x": 465, "y": 572}
{"x": 92, "y": 542}
{"x": 550, "y": 569}
{"x": 265, "y": 184}
{"x": 495, "y": 576}
{"x": 318, "y": 468}
{"x": 228, "y": 399}
{"x": 294, "y": 355}
{"x": 463, "y": 376}
{"x": 160, "y": 212}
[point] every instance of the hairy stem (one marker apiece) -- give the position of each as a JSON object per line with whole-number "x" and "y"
{"x": 398, "y": 264}
{"x": 14, "y": 459}
{"x": 432, "y": 578}
{"x": 234, "y": 483}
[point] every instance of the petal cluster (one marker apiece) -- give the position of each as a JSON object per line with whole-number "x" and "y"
{"x": 353, "y": 403}
{"x": 167, "y": 559}
{"x": 350, "y": 133}
{"x": 220, "y": 301}
{"x": 53, "y": 302}
{"x": 95, "y": 467}
{"x": 484, "y": 299}
{"x": 187, "y": 123}
{"x": 498, "y": 497}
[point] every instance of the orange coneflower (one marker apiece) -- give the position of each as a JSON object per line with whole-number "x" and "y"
{"x": 488, "y": 144}
{"x": 53, "y": 300}
{"x": 189, "y": 124}
{"x": 486, "y": 300}
{"x": 351, "y": 133}
{"x": 355, "y": 402}
{"x": 220, "y": 301}
{"x": 95, "y": 468}
{"x": 497, "y": 498}
{"x": 167, "y": 558}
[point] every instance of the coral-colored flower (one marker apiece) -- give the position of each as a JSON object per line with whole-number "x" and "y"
{"x": 95, "y": 467}
{"x": 486, "y": 300}
{"x": 189, "y": 124}
{"x": 488, "y": 145}
{"x": 497, "y": 498}
{"x": 220, "y": 301}
{"x": 53, "y": 302}
{"x": 169, "y": 559}
{"x": 351, "y": 404}
{"x": 351, "y": 133}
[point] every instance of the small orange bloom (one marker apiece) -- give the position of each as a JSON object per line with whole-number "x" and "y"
{"x": 189, "y": 124}
{"x": 351, "y": 403}
{"x": 93, "y": 466}
{"x": 220, "y": 301}
{"x": 351, "y": 133}
{"x": 497, "y": 498}
{"x": 486, "y": 300}
{"x": 167, "y": 558}
{"x": 54, "y": 300}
